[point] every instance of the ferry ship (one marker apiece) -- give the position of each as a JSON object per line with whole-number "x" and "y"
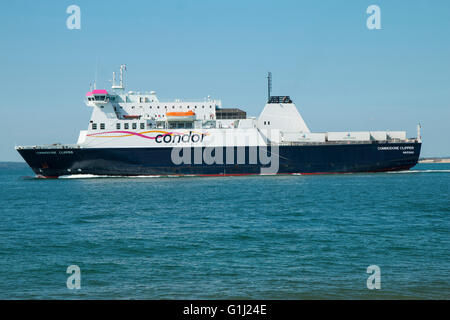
{"x": 133, "y": 133}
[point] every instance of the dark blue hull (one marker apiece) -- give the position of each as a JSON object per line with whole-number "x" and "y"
{"x": 306, "y": 159}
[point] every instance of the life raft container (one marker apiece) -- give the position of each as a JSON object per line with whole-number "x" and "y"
{"x": 180, "y": 116}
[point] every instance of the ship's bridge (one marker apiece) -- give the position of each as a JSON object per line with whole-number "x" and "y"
{"x": 97, "y": 97}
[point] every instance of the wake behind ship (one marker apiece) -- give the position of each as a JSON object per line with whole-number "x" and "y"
{"x": 132, "y": 133}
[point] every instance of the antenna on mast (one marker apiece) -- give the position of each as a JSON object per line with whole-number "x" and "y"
{"x": 123, "y": 68}
{"x": 419, "y": 136}
{"x": 96, "y": 73}
{"x": 269, "y": 85}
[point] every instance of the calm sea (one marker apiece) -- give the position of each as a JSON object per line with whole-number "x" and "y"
{"x": 262, "y": 237}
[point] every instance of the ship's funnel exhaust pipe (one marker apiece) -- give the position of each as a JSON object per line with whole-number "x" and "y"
{"x": 269, "y": 85}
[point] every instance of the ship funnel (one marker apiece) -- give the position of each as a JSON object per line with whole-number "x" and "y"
{"x": 269, "y": 85}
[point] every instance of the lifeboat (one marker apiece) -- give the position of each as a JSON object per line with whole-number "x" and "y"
{"x": 180, "y": 116}
{"x": 131, "y": 117}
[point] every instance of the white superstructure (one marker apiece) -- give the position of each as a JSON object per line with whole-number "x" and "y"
{"x": 140, "y": 119}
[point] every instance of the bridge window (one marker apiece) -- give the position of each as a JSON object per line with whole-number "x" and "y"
{"x": 94, "y": 126}
{"x": 102, "y": 126}
{"x": 118, "y": 126}
{"x": 142, "y": 125}
{"x": 127, "y": 126}
{"x": 134, "y": 125}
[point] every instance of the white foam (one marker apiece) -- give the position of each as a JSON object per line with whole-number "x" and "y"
{"x": 94, "y": 176}
{"x": 421, "y": 171}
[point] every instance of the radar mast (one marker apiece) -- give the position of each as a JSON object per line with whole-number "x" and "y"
{"x": 120, "y": 86}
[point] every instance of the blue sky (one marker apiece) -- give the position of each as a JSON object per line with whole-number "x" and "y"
{"x": 341, "y": 75}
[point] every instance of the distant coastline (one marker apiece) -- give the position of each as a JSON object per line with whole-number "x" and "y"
{"x": 13, "y": 164}
{"x": 435, "y": 160}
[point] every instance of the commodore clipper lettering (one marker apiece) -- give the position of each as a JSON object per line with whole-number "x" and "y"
{"x": 132, "y": 133}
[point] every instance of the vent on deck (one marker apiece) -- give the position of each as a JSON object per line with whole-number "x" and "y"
{"x": 230, "y": 113}
{"x": 280, "y": 99}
